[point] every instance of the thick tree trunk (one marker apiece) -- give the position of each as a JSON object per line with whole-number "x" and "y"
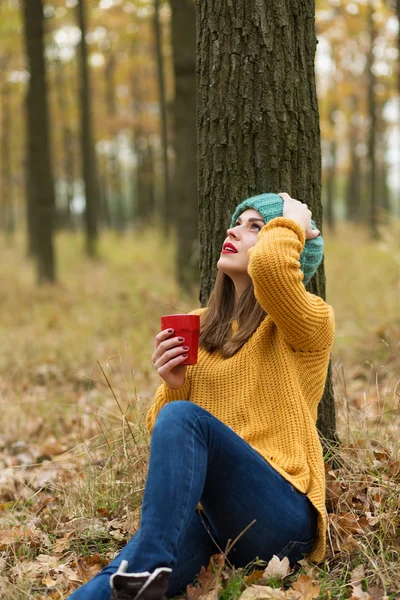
{"x": 183, "y": 26}
{"x": 258, "y": 122}
{"x": 115, "y": 188}
{"x": 40, "y": 179}
{"x": 373, "y": 207}
{"x": 166, "y": 197}
{"x": 87, "y": 142}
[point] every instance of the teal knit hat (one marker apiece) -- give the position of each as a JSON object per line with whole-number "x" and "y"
{"x": 270, "y": 206}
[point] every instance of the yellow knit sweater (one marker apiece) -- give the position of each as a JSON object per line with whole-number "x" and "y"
{"x": 269, "y": 391}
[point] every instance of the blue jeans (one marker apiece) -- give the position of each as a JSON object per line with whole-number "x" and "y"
{"x": 196, "y": 458}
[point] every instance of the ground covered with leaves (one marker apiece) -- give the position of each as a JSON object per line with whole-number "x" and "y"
{"x": 76, "y": 379}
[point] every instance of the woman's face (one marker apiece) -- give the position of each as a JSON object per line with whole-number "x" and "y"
{"x": 234, "y": 259}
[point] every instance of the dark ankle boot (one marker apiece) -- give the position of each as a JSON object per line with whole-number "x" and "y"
{"x": 139, "y": 586}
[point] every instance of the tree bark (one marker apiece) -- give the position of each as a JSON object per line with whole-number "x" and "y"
{"x": 373, "y": 204}
{"x": 353, "y": 187}
{"x": 166, "y": 208}
{"x": 331, "y": 173}
{"x": 183, "y": 26}
{"x": 145, "y": 189}
{"x": 258, "y": 122}
{"x": 115, "y": 187}
{"x": 67, "y": 140}
{"x": 144, "y": 199}
{"x": 7, "y": 206}
{"x": 40, "y": 178}
{"x": 87, "y": 142}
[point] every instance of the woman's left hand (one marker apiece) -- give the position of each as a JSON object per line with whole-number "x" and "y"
{"x": 298, "y": 211}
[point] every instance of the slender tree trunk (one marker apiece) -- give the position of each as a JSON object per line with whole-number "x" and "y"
{"x": 105, "y": 210}
{"x": 143, "y": 204}
{"x": 382, "y": 188}
{"x": 7, "y": 205}
{"x": 373, "y": 208}
{"x": 331, "y": 173}
{"x": 398, "y": 45}
{"x": 67, "y": 139}
{"x": 40, "y": 179}
{"x": 185, "y": 178}
{"x": 116, "y": 187}
{"x": 145, "y": 190}
{"x": 258, "y": 123}
{"x": 166, "y": 208}
{"x": 87, "y": 140}
{"x": 353, "y": 187}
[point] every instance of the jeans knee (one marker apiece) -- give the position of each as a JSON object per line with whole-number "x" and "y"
{"x": 176, "y": 414}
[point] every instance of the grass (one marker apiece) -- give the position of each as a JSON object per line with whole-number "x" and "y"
{"x": 76, "y": 379}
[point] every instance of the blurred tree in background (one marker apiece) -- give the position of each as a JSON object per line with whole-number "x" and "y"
{"x": 40, "y": 189}
{"x": 120, "y": 106}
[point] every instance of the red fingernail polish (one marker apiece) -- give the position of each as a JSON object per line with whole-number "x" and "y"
{"x": 170, "y": 331}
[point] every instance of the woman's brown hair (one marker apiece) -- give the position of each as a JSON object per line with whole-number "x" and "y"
{"x": 216, "y": 321}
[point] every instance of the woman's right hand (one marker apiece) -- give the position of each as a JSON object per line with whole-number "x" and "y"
{"x": 168, "y": 355}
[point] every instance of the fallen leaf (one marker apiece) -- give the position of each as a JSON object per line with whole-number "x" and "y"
{"x": 277, "y": 568}
{"x": 208, "y": 584}
{"x": 49, "y": 582}
{"x": 262, "y": 592}
{"x": 357, "y": 575}
{"x": 376, "y": 592}
{"x": 306, "y": 588}
{"x": 254, "y": 576}
{"x": 348, "y": 523}
{"x": 358, "y": 593}
{"x": 89, "y": 566}
{"x": 13, "y": 536}
{"x": 62, "y": 544}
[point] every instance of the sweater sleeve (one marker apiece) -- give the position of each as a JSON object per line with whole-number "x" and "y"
{"x": 164, "y": 395}
{"x": 305, "y": 320}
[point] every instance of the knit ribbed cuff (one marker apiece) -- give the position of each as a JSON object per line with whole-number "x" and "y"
{"x": 288, "y": 223}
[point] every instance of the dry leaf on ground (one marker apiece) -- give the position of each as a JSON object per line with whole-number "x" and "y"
{"x": 306, "y": 588}
{"x": 277, "y": 568}
{"x": 359, "y": 594}
{"x": 357, "y": 575}
{"x": 262, "y": 592}
{"x": 208, "y": 583}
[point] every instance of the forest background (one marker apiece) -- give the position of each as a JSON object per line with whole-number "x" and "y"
{"x": 100, "y": 237}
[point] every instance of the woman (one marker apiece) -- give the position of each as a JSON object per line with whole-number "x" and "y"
{"x": 237, "y": 432}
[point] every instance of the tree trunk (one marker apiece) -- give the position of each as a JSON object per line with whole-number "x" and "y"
{"x": 104, "y": 210}
{"x": 398, "y": 45}
{"x": 115, "y": 188}
{"x": 7, "y": 205}
{"x": 185, "y": 178}
{"x": 258, "y": 122}
{"x": 166, "y": 208}
{"x": 353, "y": 188}
{"x": 331, "y": 173}
{"x": 145, "y": 189}
{"x": 40, "y": 179}
{"x": 373, "y": 207}
{"x": 87, "y": 143}
{"x": 143, "y": 201}
{"x": 67, "y": 140}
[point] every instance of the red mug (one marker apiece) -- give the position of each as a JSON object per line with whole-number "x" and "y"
{"x": 188, "y": 327}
